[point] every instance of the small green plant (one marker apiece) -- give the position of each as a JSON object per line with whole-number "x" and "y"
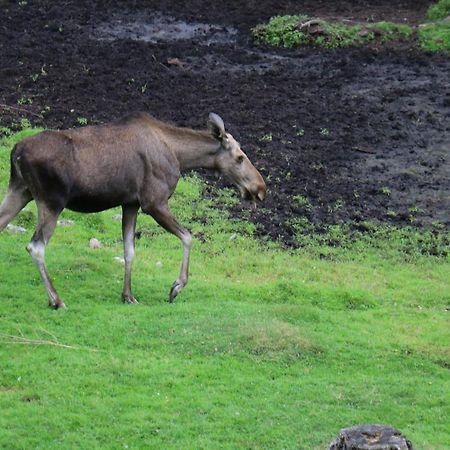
{"x": 415, "y": 210}
{"x": 324, "y": 132}
{"x": 438, "y": 225}
{"x": 25, "y": 123}
{"x": 386, "y": 191}
{"x": 302, "y": 202}
{"x": 5, "y": 131}
{"x": 300, "y": 132}
{"x": 439, "y": 11}
{"x": 41, "y": 73}
{"x": 316, "y": 167}
{"x": 338, "y": 204}
{"x": 391, "y": 214}
{"x": 24, "y": 101}
{"x": 82, "y": 120}
{"x": 266, "y": 138}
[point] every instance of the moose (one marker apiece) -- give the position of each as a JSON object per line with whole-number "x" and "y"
{"x": 134, "y": 163}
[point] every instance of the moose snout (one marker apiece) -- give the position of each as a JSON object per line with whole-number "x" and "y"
{"x": 261, "y": 191}
{"x": 255, "y": 191}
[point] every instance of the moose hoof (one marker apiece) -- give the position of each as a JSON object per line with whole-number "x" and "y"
{"x": 174, "y": 291}
{"x": 57, "y": 304}
{"x": 129, "y": 299}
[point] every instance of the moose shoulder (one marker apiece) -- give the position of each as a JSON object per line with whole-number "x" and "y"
{"x": 133, "y": 163}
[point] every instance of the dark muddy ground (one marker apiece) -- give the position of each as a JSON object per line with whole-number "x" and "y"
{"x": 341, "y": 135}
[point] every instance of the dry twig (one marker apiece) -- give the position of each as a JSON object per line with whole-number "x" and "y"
{"x": 4, "y": 106}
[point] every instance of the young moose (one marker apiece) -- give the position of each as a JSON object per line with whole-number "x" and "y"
{"x": 134, "y": 163}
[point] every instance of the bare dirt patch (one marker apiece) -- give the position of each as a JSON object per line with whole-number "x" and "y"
{"x": 361, "y": 134}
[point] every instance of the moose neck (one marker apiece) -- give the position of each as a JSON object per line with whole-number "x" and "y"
{"x": 194, "y": 149}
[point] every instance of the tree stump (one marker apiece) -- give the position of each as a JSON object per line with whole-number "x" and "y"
{"x": 370, "y": 437}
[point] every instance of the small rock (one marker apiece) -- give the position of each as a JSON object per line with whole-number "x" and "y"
{"x": 175, "y": 62}
{"x": 16, "y": 229}
{"x": 117, "y": 217}
{"x": 233, "y": 237}
{"x": 119, "y": 259}
{"x": 364, "y": 32}
{"x": 65, "y": 222}
{"x": 95, "y": 243}
{"x": 159, "y": 264}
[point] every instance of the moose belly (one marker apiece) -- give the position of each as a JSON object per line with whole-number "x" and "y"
{"x": 96, "y": 203}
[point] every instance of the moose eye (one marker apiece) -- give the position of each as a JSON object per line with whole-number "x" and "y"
{"x": 240, "y": 159}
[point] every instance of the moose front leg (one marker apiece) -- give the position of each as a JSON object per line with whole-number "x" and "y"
{"x": 165, "y": 218}
{"x": 182, "y": 280}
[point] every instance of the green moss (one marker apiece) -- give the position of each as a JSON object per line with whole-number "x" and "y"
{"x": 440, "y": 10}
{"x": 286, "y": 31}
{"x": 392, "y": 31}
{"x": 435, "y": 36}
{"x": 338, "y": 35}
{"x": 281, "y": 31}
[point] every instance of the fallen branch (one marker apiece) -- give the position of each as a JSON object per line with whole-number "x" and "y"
{"x": 161, "y": 64}
{"x": 364, "y": 150}
{"x": 4, "y": 106}
{"x": 309, "y": 23}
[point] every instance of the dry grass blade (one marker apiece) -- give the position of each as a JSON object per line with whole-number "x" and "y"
{"x": 12, "y": 339}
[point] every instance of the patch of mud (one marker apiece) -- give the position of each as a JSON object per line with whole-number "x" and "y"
{"x": 250, "y": 62}
{"x": 160, "y": 28}
{"x": 350, "y": 135}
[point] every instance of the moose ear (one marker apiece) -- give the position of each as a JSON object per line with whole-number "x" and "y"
{"x": 216, "y": 126}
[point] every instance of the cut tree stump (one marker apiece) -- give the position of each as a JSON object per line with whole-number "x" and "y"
{"x": 370, "y": 437}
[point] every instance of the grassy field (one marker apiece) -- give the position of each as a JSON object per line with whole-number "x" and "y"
{"x": 264, "y": 349}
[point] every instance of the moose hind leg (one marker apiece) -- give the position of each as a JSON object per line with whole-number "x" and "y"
{"x": 129, "y": 215}
{"x": 13, "y": 203}
{"x": 47, "y": 219}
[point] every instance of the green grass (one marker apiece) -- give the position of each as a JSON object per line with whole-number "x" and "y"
{"x": 281, "y": 31}
{"x": 340, "y": 240}
{"x": 439, "y": 11}
{"x": 391, "y": 31}
{"x": 265, "y": 348}
{"x": 284, "y": 31}
{"x": 435, "y": 36}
